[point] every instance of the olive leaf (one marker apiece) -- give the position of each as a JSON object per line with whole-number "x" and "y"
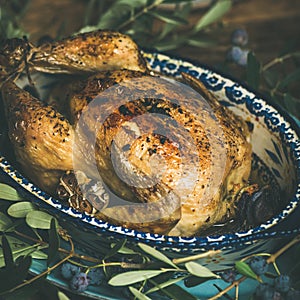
{"x": 88, "y": 28}
{"x": 292, "y": 77}
{"x": 21, "y": 209}
{"x": 168, "y": 17}
{"x": 20, "y": 248}
{"x": 216, "y": 12}
{"x": 132, "y": 3}
{"x": 14, "y": 275}
{"x": 7, "y": 252}
{"x": 8, "y": 25}
{"x": 125, "y": 250}
{"x": 253, "y": 70}
{"x": 292, "y": 104}
{"x": 8, "y": 193}
{"x": 200, "y": 42}
{"x": 158, "y": 255}
{"x": 168, "y": 28}
{"x": 170, "y": 44}
{"x": 176, "y": 292}
{"x": 131, "y": 277}
{"x": 165, "y": 284}
{"x": 54, "y": 242}
{"x": 195, "y": 280}
{"x": 112, "y": 18}
{"x": 62, "y": 296}
{"x": 14, "y": 272}
{"x": 5, "y": 223}
{"x": 137, "y": 294}
{"x": 177, "y": 1}
{"x": 115, "y": 248}
{"x": 119, "y": 12}
{"x": 271, "y": 78}
{"x": 244, "y": 269}
{"x": 199, "y": 270}
{"x": 294, "y": 272}
{"x": 39, "y": 219}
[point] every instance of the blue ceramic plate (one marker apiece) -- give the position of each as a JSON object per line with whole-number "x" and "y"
{"x": 276, "y": 145}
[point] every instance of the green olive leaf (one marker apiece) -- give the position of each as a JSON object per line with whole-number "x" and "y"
{"x": 131, "y": 277}
{"x": 88, "y": 28}
{"x": 168, "y": 28}
{"x": 39, "y": 219}
{"x": 292, "y": 77}
{"x": 9, "y": 27}
{"x": 199, "y": 270}
{"x": 244, "y": 269}
{"x": 5, "y": 223}
{"x": 195, "y": 280}
{"x": 271, "y": 78}
{"x": 115, "y": 248}
{"x": 54, "y": 242}
{"x": 165, "y": 284}
{"x": 169, "y": 45}
{"x": 201, "y": 42}
{"x": 158, "y": 255}
{"x": 176, "y": 292}
{"x": 14, "y": 275}
{"x": 20, "y": 248}
{"x": 177, "y": 1}
{"x": 115, "y": 15}
{"x": 21, "y": 209}
{"x": 137, "y": 294}
{"x": 7, "y": 252}
{"x": 292, "y": 104}
{"x": 37, "y": 254}
{"x": 62, "y": 296}
{"x": 9, "y": 193}
{"x": 214, "y": 13}
{"x": 125, "y": 250}
{"x": 253, "y": 70}
{"x": 168, "y": 17}
{"x": 132, "y": 3}
{"x": 23, "y": 264}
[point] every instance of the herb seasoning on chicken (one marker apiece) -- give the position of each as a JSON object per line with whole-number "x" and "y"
{"x": 127, "y": 152}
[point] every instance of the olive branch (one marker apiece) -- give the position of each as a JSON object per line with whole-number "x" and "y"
{"x": 141, "y": 268}
{"x": 148, "y": 24}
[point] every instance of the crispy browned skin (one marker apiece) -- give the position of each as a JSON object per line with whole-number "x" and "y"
{"x": 84, "y": 53}
{"x": 202, "y": 207}
{"x": 89, "y": 52}
{"x": 41, "y": 137}
{"x": 42, "y": 140}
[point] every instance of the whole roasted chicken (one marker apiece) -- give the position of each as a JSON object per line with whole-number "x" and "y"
{"x": 124, "y": 144}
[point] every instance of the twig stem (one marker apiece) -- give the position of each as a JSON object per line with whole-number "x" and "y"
{"x": 277, "y": 60}
{"x": 223, "y": 292}
{"x": 62, "y": 250}
{"x": 274, "y": 256}
{"x": 209, "y": 253}
{"x": 140, "y": 13}
{"x": 270, "y": 260}
{"x": 49, "y": 269}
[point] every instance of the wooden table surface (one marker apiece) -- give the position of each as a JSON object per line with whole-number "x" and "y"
{"x": 271, "y": 24}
